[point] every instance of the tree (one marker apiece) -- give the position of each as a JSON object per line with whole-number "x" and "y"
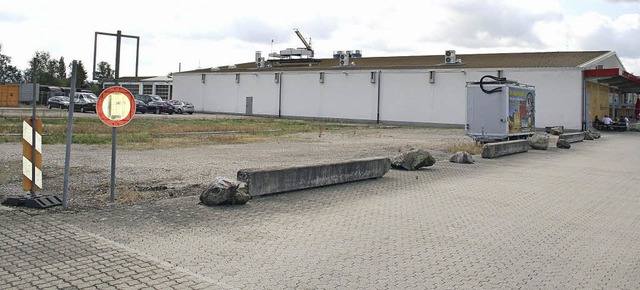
{"x": 46, "y": 69}
{"x": 8, "y": 73}
{"x": 62, "y": 69}
{"x": 81, "y": 75}
{"x": 104, "y": 71}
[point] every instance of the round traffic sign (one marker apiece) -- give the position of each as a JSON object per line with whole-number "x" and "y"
{"x": 116, "y": 106}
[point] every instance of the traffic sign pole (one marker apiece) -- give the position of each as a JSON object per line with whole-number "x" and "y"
{"x": 116, "y": 107}
{"x": 114, "y": 142}
{"x": 115, "y": 112}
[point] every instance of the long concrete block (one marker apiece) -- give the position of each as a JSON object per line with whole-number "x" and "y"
{"x": 497, "y": 149}
{"x": 261, "y": 181}
{"x": 572, "y": 137}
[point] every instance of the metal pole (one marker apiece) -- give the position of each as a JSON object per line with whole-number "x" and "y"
{"x": 65, "y": 190}
{"x": 137, "y": 54}
{"x": 279, "y": 94}
{"x": 378, "y": 105}
{"x": 33, "y": 129}
{"x": 114, "y": 141}
{"x": 112, "y": 198}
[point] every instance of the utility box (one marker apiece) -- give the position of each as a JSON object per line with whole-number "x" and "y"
{"x": 500, "y": 110}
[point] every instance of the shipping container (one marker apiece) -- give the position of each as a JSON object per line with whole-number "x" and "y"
{"x": 9, "y": 95}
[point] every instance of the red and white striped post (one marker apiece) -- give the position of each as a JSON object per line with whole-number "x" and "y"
{"x": 31, "y": 155}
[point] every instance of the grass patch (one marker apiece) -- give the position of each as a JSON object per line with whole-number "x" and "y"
{"x": 153, "y": 133}
{"x": 468, "y": 146}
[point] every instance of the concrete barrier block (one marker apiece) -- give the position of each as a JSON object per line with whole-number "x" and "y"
{"x": 261, "y": 181}
{"x": 572, "y": 137}
{"x": 497, "y": 149}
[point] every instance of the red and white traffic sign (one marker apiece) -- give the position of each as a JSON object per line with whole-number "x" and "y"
{"x": 116, "y": 106}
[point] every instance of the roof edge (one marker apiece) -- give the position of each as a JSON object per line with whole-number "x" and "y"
{"x": 600, "y": 58}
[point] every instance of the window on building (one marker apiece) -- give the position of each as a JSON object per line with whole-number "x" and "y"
{"x": 133, "y": 88}
{"x": 147, "y": 89}
{"x": 162, "y": 91}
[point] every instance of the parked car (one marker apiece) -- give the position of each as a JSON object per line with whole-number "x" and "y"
{"x": 182, "y": 107}
{"x": 141, "y": 107}
{"x": 156, "y": 104}
{"x": 61, "y": 102}
{"x": 85, "y": 102}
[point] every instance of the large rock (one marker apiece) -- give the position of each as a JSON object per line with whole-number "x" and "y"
{"x": 595, "y": 133}
{"x": 539, "y": 141}
{"x": 462, "y": 157}
{"x": 412, "y": 159}
{"x": 557, "y": 130}
{"x": 591, "y": 134}
{"x": 588, "y": 136}
{"x": 564, "y": 144}
{"x": 224, "y": 191}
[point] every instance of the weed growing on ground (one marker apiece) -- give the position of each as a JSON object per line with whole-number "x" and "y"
{"x": 468, "y": 146}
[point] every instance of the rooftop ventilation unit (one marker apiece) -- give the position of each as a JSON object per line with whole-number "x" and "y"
{"x": 344, "y": 59}
{"x": 450, "y": 57}
{"x": 259, "y": 59}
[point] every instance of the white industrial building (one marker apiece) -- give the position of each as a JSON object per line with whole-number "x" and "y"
{"x": 571, "y": 87}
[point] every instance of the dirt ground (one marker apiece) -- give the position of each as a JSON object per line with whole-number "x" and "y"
{"x": 148, "y": 175}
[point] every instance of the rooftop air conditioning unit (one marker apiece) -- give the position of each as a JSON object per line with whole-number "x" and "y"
{"x": 344, "y": 59}
{"x": 450, "y": 57}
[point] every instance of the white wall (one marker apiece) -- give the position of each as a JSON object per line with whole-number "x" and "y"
{"x": 405, "y": 95}
{"x": 558, "y": 95}
{"x": 408, "y": 96}
{"x": 264, "y": 90}
{"x": 188, "y": 87}
{"x": 342, "y": 95}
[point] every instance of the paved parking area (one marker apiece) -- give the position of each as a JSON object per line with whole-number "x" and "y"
{"x": 556, "y": 219}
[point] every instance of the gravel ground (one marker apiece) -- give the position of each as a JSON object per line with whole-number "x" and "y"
{"x": 145, "y": 176}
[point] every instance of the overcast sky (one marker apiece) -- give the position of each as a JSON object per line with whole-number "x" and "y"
{"x": 191, "y": 34}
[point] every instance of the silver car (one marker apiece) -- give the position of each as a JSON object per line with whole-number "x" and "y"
{"x": 182, "y": 107}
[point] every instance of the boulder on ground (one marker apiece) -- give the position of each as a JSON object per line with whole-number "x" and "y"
{"x": 592, "y": 134}
{"x": 564, "y": 144}
{"x": 557, "y": 130}
{"x": 412, "y": 159}
{"x": 224, "y": 191}
{"x": 462, "y": 157}
{"x": 539, "y": 141}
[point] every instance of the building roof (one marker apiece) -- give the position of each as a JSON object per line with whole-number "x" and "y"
{"x": 615, "y": 77}
{"x": 559, "y": 59}
{"x": 142, "y": 79}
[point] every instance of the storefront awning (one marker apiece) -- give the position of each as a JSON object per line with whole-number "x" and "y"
{"x": 613, "y": 77}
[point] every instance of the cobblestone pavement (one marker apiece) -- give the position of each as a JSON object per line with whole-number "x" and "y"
{"x": 555, "y": 219}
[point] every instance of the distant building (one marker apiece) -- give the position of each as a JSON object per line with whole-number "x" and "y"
{"x": 571, "y": 87}
{"x": 158, "y": 85}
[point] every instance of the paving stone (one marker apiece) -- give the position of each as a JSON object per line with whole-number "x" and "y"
{"x": 550, "y": 219}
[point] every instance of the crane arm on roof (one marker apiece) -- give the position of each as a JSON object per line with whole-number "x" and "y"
{"x": 304, "y": 41}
